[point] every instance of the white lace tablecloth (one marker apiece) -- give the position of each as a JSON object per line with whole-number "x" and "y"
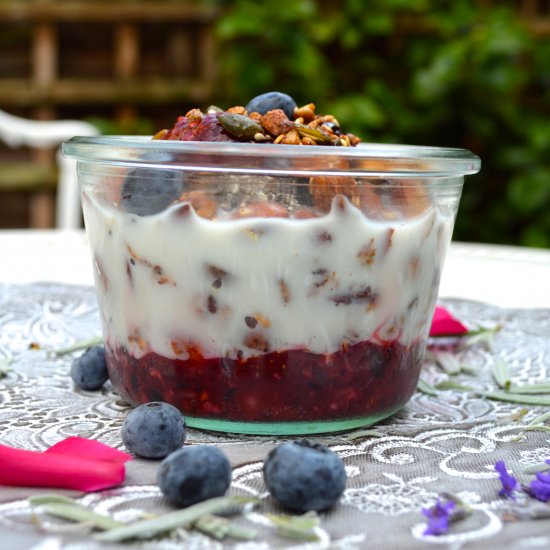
{"x": 446, "y": 443}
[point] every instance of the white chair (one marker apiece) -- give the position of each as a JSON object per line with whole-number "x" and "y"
{"x": 16, "y": 132}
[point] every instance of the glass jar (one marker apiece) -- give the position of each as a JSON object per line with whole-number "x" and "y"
{"x": 267, "y": 289}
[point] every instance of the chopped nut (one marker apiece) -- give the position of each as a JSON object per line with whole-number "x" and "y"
{"x": 367, "y": 253}
{"x": 239, "y": 110}
{"x": 255, "y": 116}
{"x": 264, "y": 321}
{"x": 324, "y": 188}
{"x": 262, "y": 210}
{"x": 194, "y": 113}
{"x": 160, "y": 134}
{"x": 204, "y": 205}
{"x": 307, "y": 112}
{"x": 213, "y": 109}
{"x": 276, "y": 122}
{"x": 261, "y": 137}
{"x": 256, "y": 341}
{"x": 285, "y": 292}
{"x": 353, "y": 139}
{"x": 280, "y": 138}
{"x": 292, "y": 138}
{"x": 308, "y": 141}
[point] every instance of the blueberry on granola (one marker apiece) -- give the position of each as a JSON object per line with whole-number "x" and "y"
{"x": 148, "y": 191}
{"x": 304, "y": 476}
{"x": 89, "y": 371}
{"x": 270, "y": 101}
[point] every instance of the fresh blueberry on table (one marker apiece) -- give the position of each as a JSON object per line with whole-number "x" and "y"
{"x": 194, "y": 474}
{"x": 89, "y": 371}
{"x": 154, "y": 430}
{"x": 304, "y": 476}
{"x": 270, "y": 101}
{"x": 148, "y": 191}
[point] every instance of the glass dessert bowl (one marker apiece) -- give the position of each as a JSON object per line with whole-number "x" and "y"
{"x": 267, "y": 289}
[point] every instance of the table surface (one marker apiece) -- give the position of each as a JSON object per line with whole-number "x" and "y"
{"x": 448, "y": 442}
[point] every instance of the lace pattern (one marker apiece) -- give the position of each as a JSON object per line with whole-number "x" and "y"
{"x": 447, "y": 442}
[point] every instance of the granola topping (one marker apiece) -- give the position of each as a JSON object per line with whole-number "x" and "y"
{"x": 305, "y": 127}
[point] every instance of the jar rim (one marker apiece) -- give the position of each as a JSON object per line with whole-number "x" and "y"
{"x": 366, "y": 159}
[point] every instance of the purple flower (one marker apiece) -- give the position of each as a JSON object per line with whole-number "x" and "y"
{"x": 539, "y": 488}
{"x": 509, "y": 482}
{"x": 439, "y": 516}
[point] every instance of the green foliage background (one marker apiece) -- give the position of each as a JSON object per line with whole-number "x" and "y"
{"x": 428, "y": 72}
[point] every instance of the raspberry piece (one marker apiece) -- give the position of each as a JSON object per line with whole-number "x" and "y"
{"x": 197, "y": 128}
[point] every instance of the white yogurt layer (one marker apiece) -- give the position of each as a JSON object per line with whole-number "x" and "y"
{"x": 243, "y": 287}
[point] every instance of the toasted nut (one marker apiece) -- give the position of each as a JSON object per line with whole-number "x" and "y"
{"x": 204, "y": 205}
{"x": 324, "y": 188}
{"x": 194, "y": 113}
{"x": 304, "y": 214}
{"x": 353, "y": 139}
{"x": 262, "y": 210}
{"x": 308, "y": 141}
{"x": 292, "y": 138}
{"x": 280, "y": 138}
{"x": 213, "y": 109}
{"x": 255, "y": 116}
{"x": 161, "y": 134}
{"x": 261, "y": 137}
{"x": 276, "y": 122}
{"x": 307, "y": 112}
{"x": 239, "y": 110}
{"x": 344, "y": 140}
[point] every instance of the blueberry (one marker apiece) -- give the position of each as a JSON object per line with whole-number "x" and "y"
{"x": 153, "y": 430}
{"x": 194, "y": 474}
{"x": 148, "y": 191}
{"x": 89, "y": 371}
{"x": 304, "y": 476}
{"x": 272, "y": 100}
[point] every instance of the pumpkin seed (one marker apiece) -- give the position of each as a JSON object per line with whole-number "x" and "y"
{"x": 240, "y": 126}
{"x": 314, "y": 133}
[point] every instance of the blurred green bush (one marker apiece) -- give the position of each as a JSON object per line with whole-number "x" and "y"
{"x": 427, "y": 72}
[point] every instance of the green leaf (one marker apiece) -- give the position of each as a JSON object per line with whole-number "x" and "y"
{"x": 499, "y": 370}
{"x": 452, "y": 385}
{"x": 531, "y": 389}
{"x": 5, "y": 367}
{"x": 541, "y": 419}
{"x": 297, "y": 527}
{"x": 220, "y": 528}
{"x": 79, "y": 346}
{"x": 75, "y": 512}
{"x": 426, "y": 388}
{"x": 515, "y": 398}
{"x": 448, "y": 361}
{"x": 149, "y": 528}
